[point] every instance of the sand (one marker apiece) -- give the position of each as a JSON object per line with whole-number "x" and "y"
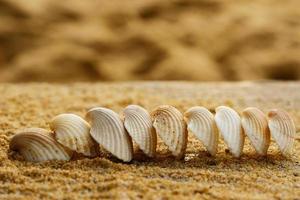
{"x": 54, "y": 40}
{"x": 197, "y": 176}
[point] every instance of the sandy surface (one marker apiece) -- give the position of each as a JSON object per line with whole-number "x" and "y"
{"x": 54, "y": 40}
{"x": 198, "y": 175}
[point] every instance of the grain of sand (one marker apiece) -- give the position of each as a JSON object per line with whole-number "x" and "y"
{"x": 104, "y": 177}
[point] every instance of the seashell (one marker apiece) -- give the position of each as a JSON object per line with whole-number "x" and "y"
{"x": 229, "y": 124}
{"x": 138, "y": 124}
{"x": 73, "y": 132}
{"x": 170, "y": 126}
{"x": 255, "y": 125}
{"x": 37, "y": 145}
{"x": 201, "y": 123}
{"x": 108, "y": 130}
{"x": 282, "y": 129}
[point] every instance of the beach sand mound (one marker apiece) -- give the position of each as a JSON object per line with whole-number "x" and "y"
{"x": 53, "y": 40}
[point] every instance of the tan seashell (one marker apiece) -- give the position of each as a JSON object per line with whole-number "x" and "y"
{"x": 138, "y": 124}
{"x": 73, "y": 132}
{"x": 255, "y": 125}
{"x": 229, "y": 124}
{"x": 108, "y": 130}
{"x": 37, "y": 145}
{"x": 170, "y": 126}
{"x": 201, "y": 123}
{"x": 282, "y": 129}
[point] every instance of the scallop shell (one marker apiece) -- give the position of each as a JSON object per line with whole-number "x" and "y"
{"x": 255, "y": 125}
{"x": 108, "y": 130}
{"x": 170, "y": 126}
{"x": 138, "y": 124}
{"x": 201, "y": 123}
{"x": 229, "y": 124}
{"x": 73, "y": 132}
{"x": 282, "y": 129}
{"x": 37, "y": 145}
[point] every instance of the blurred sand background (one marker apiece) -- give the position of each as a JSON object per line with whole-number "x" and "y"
{"x": 64, "y": 41}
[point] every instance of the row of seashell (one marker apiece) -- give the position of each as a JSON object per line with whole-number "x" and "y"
{"x": 70, "y": 133}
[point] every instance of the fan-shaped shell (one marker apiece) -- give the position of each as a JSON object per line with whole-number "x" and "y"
{"x": 37, "y": 145}
{"x": 255, "y": 125}
{"x": 73, "y": 132}
{"x": 201, "y": 123}
{"x": 170, "y": 126}
{"x": 229, "y": 124}
{"x": 108, "y": 130}
{"x": 282, "y": 129}
{"x": 138, "y": 124}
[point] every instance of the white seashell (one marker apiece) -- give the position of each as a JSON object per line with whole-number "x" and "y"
{"x": 201, "y": 123}
{"x": 255, "y": 125}
{"x": 229, "y": 124}
{"x": 37, "y": 145}
{"x": 170, "y": 126}
{"x": 282, "y": 129}
{"x": 108, "y": 130}
{"x": 73, "y": 132}
{"x": 138, "y": 124}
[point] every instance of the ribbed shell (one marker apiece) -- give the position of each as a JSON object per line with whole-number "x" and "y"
{"x": 37, "y": 145}
{"x": 201, "y": 123}
{"x": 255, "y": 125}
{"x": 282, "y": 129}
{"x": 138, "y": 124}
{"x": 170, "y": 126}
{"x": 74, "y": 132}
{"x": 108, "y": 130}
{"x": 229, "y": 124}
